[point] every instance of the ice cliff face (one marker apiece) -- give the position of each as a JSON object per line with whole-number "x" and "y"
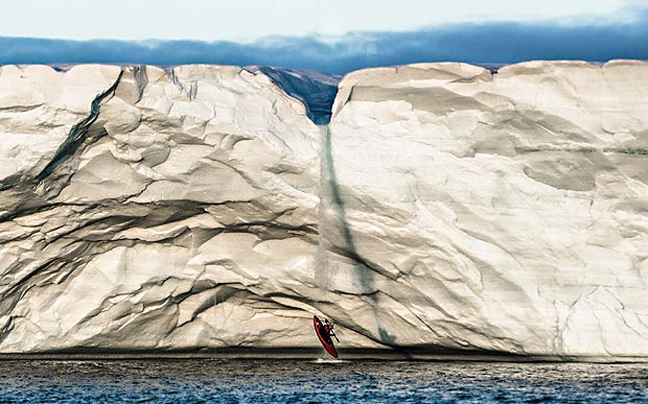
{"x": 443, "y": 206}
{"x": 177, "y": 214}
{"x": 505, "y": 211}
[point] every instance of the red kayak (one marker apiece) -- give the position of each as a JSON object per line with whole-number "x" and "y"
{"x": 324, "y": 337}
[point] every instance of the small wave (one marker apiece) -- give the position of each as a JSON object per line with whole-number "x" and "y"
{"x": 327, "y": 360}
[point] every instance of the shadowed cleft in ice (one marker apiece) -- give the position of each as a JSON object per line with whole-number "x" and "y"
{"x": 315, "y": 89}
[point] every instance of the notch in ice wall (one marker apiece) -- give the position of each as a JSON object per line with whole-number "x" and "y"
{"x": 315, "y": 89}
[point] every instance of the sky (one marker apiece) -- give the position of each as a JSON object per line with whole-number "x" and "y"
{"x": 237, "y": 20}
{"x": 330, "y": 35}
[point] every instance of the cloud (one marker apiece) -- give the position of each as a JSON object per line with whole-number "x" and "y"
{"x": 473, "y": 43}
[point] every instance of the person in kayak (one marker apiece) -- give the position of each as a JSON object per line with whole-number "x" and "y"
{"x": 328, "y": 327}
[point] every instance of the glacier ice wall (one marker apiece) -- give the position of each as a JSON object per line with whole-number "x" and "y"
{"x": 503, "y": 211}
{"x": 178, "y": 218}
{"x": 443, "y": 206}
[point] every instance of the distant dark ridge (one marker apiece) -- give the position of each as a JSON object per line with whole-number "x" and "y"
{"x": 499, "y": 42}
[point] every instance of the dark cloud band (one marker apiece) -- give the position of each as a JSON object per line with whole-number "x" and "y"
{"x": 473, "y": 43}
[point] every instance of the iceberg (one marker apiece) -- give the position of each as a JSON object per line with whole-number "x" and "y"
{"x": 445, "y": 206}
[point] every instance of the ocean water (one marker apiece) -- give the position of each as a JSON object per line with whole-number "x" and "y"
{"x": 318, "y": 381}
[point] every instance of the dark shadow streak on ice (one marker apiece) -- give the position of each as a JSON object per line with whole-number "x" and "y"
{"x": 78, "y": 133}
{"x": 362, "y": 273}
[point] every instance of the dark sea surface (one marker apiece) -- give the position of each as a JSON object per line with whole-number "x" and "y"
{"x": 318, "y": 381}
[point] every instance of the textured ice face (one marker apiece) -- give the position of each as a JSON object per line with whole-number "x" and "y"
{"x": 177, "y": 218}
{"x": 503, "y": 211}
{"x": 38, "y": 106}
{"x": 443, "y": 206}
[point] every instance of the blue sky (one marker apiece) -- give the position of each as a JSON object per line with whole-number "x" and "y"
{"x": 330, "y": 35}
{"x": 238, "y": 20}
{"x": 246, "y": 20}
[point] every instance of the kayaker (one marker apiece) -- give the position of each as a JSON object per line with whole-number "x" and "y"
{"x": 328, "y": 327}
